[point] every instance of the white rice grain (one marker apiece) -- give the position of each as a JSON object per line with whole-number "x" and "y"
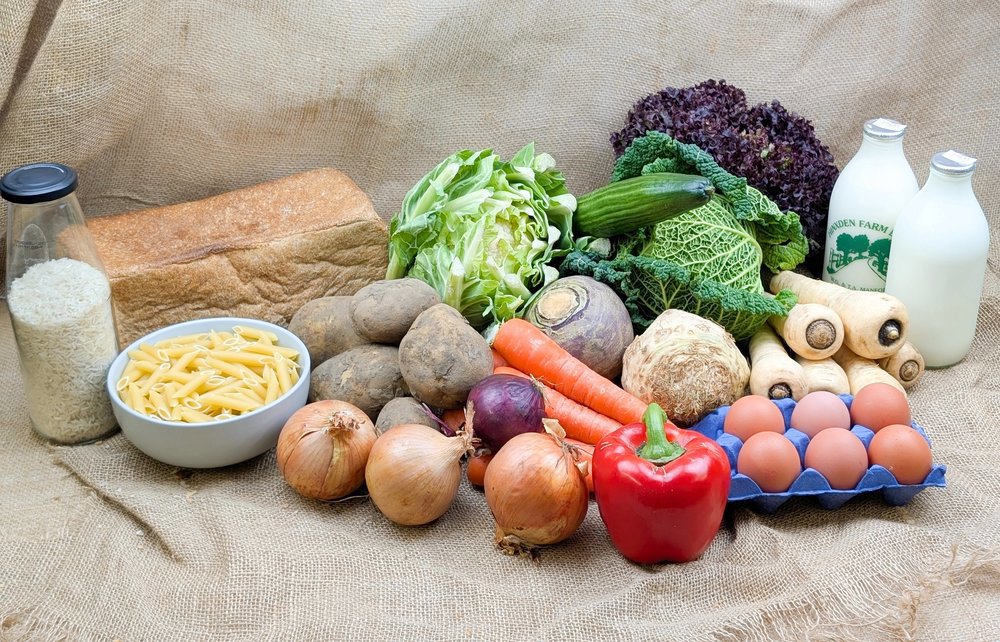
{"x": 62, "y": 317}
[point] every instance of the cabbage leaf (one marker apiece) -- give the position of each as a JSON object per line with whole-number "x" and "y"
{"x": 707, "y": 261}
{"x": 483, "y": 231}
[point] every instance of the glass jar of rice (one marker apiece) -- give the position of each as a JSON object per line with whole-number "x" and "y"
{"x": 59, "y": 299}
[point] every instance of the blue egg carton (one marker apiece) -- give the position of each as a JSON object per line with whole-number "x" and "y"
{"x": 810, "y": 483}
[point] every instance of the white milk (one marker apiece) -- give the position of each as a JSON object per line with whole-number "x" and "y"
{"x": 938, "y": 261}
{"x": 866, "y": 199}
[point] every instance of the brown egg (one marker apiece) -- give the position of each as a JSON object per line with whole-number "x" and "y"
{"x": 771, "y": 460}
{"x": 839, "y": 456}
{"x": 752, "y": 414}
{"x": 903, "y": 451}
{"x": 878, "y": 405}
{"x": 818, "y": 411}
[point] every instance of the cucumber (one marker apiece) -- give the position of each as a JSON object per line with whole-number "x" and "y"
{"x": 625, "y": 206}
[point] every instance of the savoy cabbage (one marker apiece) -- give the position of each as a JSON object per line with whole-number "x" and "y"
{"x": 708, "y": 260}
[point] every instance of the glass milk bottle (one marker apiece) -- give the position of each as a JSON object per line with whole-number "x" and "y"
{"x": 938, "y": 261}
{"x": 866, "y": 199}
{"x": 59, "y": 299}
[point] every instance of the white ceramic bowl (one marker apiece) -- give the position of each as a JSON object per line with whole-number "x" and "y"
{"x": 218, "y": 443}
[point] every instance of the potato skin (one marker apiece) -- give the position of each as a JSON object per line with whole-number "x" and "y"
{"x": 442, "y": 357}
{"x": 366, "y": 376}
{"x": 403, "y": 410}
{"x": 325, "y": 326}
{"x": 383, "y": 311}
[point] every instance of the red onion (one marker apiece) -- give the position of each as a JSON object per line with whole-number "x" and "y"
{"x": 502, "y": 406}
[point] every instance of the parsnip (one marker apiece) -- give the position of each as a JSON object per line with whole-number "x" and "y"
{"x": 824, "y": 374}
{"x": 875, "y": 323}
{"x": 861, "y": 372}
{"x": 811, "y": 330}
{"x": 773, "y": 373}
{"x": 906, "y": 365}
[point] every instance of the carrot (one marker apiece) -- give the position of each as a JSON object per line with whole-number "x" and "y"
{"x": 586, "y": 454}
{"x": 510, "y": 371}
{"x": 875, "y": 323}
{"x": 580, "y": 422}
{"x": 498, "y": 360}
{"x": 475, "y": 468}
{"x": 531, "y": 351}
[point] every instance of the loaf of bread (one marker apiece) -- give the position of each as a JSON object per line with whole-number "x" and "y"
{"x": 259, "y": 252}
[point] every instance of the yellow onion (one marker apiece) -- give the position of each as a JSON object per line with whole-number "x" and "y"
{"x": 536, "y": 489}
{"x": 323, "y": 448}
{"x": 413, "y": 472}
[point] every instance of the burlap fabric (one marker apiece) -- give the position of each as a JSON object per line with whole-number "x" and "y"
{"x": 157, "y": 102}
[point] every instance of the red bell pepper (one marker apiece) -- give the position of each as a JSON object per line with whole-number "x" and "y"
{"x": 661, "y": 490}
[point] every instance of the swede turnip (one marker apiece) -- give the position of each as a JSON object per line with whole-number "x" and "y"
{"x": 587, "y": 318}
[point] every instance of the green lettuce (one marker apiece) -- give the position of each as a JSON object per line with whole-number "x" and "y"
{"x": 707, "y": 261}
{"x": 483, "y": 231}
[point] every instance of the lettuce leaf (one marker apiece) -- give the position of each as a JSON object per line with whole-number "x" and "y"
{"x": 483, "y": 232}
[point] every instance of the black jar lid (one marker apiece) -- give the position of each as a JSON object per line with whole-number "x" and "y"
{"x": 37, "y": 183}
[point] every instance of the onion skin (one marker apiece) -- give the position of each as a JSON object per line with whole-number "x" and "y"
{"x": 536, "y": 492}
{"x": 503, "y": 406}
{"x": 323, "y": 449}
{"x": 587, "y": 318}
{"x": 413, "y": 473}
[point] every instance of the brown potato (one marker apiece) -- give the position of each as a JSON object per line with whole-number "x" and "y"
{"x": 324, "y": 325}
{"x": 403, "y": 410}
{"x": 366, "y": 376}
{"x": 442, "y": 357}
{"x": 383, "y": 311}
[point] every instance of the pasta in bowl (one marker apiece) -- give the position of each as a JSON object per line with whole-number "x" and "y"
{"x": 209, "y": 392}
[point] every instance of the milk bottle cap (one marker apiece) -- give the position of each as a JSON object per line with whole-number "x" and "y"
{"x": 953, "y": 163}
{"x": 884, "y": 129}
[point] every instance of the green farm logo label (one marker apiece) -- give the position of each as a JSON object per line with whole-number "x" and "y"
{"x": 849, "y": 247}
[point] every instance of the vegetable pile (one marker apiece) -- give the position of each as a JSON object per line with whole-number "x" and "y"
{"x": 554, "y": 345}
{"x": 777, "y": 151}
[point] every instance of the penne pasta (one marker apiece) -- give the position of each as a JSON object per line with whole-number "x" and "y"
{"x": 281, "y": 370}
{"x": 208, "y": 376}
{"x": 273, "y": 387}
{"x": 254, "y": 333}
{"x": 227, "y": 402}
{"x": 241, "y": 358}
{"x": 183, "y": 340}
{"x": 270, "y": 350}
{"x": 195, "y": 417}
